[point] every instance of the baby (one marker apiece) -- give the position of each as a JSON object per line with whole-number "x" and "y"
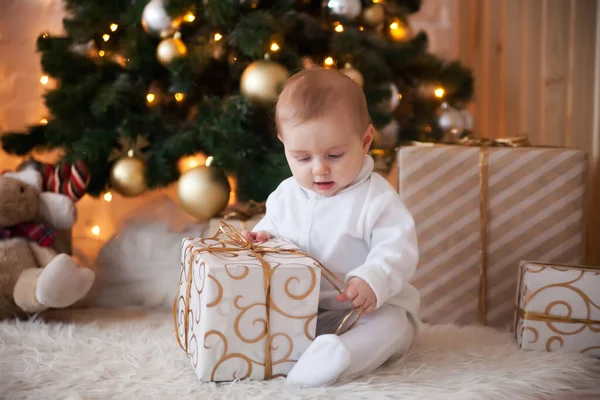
{"x": 350, "y": 219}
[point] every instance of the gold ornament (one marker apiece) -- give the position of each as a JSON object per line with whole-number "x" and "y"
{"x": 128, "y": 176}
{"x": 262, "y": 81}
{"x": 169, "y": 49}
{"x": 353, "y": 74}
{"x": 203, "y": 192}
{"x": 374, "y": 15}
{"x": 157, "y": 22}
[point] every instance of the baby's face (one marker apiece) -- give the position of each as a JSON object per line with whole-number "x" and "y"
{"x": 325, "y": 154}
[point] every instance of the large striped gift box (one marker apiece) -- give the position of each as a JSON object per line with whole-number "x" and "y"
{"x": 479, "y": 211}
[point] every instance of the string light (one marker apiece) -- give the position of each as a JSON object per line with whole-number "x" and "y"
{"x": 101, "y": 53}
{"x": 189, "y": 17}
{"x": 439, "y": 92}
{"x": 44, "y": 121}
{"x": 398, "y": 30}
{"x": 44, "y": 79}
{"x": 177, "y": 35}
{"x": 329, "y": 62}
{"x": 114, "y": 27}
{"x": 339, "y": 28}
{"x": 274, "y": 46}
{"x": 186, "y": 163}
{"x": 96, "y": 230}
{"x": 209, "y": 161}
{"x": 179, "y": 96}
{"x": 361, "y": 28}
{"x": 150, "y": 97}
{"x": 45, "y": 35}
{"x": 377, "y": 1}
{"x": 106, "y": 36}
{"x": 108, "y": 197}
{"x": 218, "y": 37}
{"x": 130, "y": 153}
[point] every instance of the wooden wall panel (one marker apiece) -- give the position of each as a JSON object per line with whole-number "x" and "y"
{"x": 537, "y": 71}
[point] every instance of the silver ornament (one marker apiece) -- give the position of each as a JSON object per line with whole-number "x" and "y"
{"x": 389, "y": 134}
{"x": 395, "y": 97}
{"x": 350, "y": 9}
{"x": 450, "y": 119}
{"x": 157, "y": 22}
{"x": 468, "y": 119}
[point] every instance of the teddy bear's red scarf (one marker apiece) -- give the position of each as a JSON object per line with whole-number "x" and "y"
{"x": 43, "y": 234}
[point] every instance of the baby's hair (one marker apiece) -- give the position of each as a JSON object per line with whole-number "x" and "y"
{"x": 315, "y": 92}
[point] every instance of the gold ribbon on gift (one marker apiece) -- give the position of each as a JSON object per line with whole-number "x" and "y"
{"x": 543, "y": 317}
{"x": 236, "y": 242}
{"x": 483, "y": 144}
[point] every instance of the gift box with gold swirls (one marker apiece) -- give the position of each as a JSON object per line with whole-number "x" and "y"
{"x": 558, "y": 308}
{"x": 245, "y": 311}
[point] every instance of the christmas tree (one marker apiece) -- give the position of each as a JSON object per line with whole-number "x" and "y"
{"x": 139, "y": 85}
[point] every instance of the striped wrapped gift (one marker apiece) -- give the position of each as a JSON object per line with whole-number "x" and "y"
{"x": 479, "y": 211}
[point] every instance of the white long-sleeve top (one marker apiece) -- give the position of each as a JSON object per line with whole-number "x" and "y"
{"x": 363, "y": 231}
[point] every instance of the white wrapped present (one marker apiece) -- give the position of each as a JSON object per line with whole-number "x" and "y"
{"x": 558, "y": 308}
{"x": 245, "y": 311}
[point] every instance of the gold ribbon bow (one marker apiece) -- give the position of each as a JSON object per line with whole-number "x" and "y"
{"x": 236, "y": 242}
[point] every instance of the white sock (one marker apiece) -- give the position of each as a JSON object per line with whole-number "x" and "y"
{"x": 322, "y": 362}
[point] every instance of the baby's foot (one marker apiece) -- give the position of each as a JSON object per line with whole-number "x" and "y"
{"x": 63, "y": 282}
{"x": 322, "y": 362}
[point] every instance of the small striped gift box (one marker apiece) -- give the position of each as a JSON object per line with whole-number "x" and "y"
{"x": 479, "y": 211}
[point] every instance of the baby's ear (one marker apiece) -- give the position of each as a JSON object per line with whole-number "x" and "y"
{"x": 368, "y": 138}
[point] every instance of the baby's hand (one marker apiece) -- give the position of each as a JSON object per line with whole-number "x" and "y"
{"x": 361, "y": 294}
{"x": 260, "y": 236}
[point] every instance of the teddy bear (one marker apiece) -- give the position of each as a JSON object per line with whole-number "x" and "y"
{"x": 34, "y": 277}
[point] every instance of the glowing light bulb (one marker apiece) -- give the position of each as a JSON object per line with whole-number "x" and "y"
{"x": 106, "y": 36}
{"x": 439, "y": 92}
{"x": 339, "y": 28}
{"x": 398, "y": 31}
{"x": 44, "y": 121}
{"x": 209, "y": 161}
{"x": 274, "y": 46}
{"x": 44, "y": 79}
{"x": 150, "y": 97}
{"x": 114, "y": 27}
{"x": 130, "y": 153}
{"x": 96, "y": 230}
{"x": 329, "y": 61}
{"x": 179, "y": 96}
{"x": 101, "y": 53}
{"x": 218, "y": 37}
{"x": 189, "y": 17}
{"x": 108, "y": 197}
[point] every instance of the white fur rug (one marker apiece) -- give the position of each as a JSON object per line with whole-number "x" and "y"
{"x": 122, "y": 357}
